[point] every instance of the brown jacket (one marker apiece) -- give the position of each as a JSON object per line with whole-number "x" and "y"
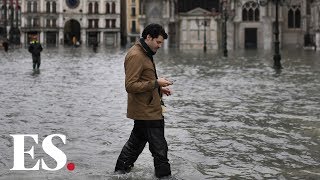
{"x": 140, "y": 80}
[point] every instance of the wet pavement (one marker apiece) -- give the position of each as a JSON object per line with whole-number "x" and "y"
{"x": 229, "y": 118}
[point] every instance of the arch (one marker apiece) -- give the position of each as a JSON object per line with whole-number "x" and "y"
{"x": 29, "y": 6}
{"x": 297, "y": 18}
{"x": 113, "y": 8}
{"x": 294, "y": 16}
{"x": 251, "y": 14}
{"x": 96, "y": 8}
{"x": 107, "y": 8}
{"x": 257, "y": 14}
{"x": 244, "y": 15}
{"x": 48, "y": 7}
{"x": 54, "y": 7}
{"x": 290, "y": 19}
{"x": 250, "y": 11}
{"x": 71, "y": 29}
{"x": 90, "y": 8}
{"x": 35, "y": 7}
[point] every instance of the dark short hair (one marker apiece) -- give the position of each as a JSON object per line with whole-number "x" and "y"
{"x": 154, "y": 30}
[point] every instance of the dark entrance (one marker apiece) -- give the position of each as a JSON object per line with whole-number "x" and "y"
{"x": 92, "y": 38}
{"x": 250, "y": 38}
{"x": 51, "y": 38}
{"x": 71, "y": 30}
{"x": 14, "y": 35}
{"x": 3, "y": 32}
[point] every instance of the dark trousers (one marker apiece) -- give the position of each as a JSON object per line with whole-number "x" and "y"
{"x": 143, "y": 132}
{"x": 36, "y": 61}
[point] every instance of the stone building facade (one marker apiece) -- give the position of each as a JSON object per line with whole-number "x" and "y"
{"x": 10, "y": 20}
{"x": 133, "y": 23}
{"x": 315, "y": 23}
{"x": 198, "y": 30}
{"x": 251, "y": 25}
{"x": 190, "y": 24}
{"x": 60, "y": 21}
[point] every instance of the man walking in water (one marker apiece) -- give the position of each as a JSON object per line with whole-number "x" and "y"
{"x": 35, "y": 49}
{"x": 145, "y": 90}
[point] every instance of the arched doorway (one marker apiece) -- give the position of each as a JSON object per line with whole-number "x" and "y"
{"x": 71, "y": 29}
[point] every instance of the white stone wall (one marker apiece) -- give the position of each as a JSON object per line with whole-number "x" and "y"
{"x": 193, "y": 34}
{"x": 79, "y": 14}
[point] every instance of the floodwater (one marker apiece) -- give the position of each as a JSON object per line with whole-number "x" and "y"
{"x": 228, "y": 118}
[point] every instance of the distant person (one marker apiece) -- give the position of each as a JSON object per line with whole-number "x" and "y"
{"x": 74, "y": 41}
{"x": 5, "y": 45}
{"x": 35, "y": 49}
{"x": 145, "y": 90}
{"x": 95, "y": 46}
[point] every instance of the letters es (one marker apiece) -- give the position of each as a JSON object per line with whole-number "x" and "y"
{"x": 48, "y": 147}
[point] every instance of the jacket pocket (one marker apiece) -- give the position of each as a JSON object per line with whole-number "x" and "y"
{"x": 150, "y": 100}
{"x": 144, "y": 98}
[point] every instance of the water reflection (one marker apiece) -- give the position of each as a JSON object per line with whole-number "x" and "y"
{"x": 232, "y": 117}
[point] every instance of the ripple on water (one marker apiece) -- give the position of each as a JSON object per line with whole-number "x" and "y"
{"x": 228, "y": 118}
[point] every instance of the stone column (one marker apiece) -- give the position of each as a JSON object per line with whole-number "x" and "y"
{"x": 83, "y": 37}
{"x": 61, "y": 40}
{"x": 42, "y": 37}
{"x": 230, "y": 37}
{"x": 101, "y": 37}
{"x": 265, "y": 34}
{"x": 318, "y": 41}
{"x": 23, "y": 38}
{"x": 165, "y": 44}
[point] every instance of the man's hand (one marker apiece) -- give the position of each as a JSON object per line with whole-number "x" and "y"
{"x": 163, "y": 82}
{"x": 165, "y": 91}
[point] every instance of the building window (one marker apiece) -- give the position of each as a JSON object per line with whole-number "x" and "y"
{"x": 48, "y": 7}
{"x": 133, "y": 27}
{"x": 107, "y": 8}
{"x": 133, "y": 11}
{"x": 54, "y": 7}
{"x": 11, "y": 11}
{"x": 35, "y": 22}
{"x": 29, "y": 22}
{"x": 294, "y": 17}
{"x": 90, "y": 8}
{"x": 90, "y": 25}
{"x": 54, "y": 23}
{"x": 250, "y": 11}
{"x": 48, "y": 22}
{"x": 107, "y": 23}
{"x": 29, "y": 7}
{"x": 19, "y": 15}
{"x": 96, "y": 23}
{"x": 35, "y": 4}
{"x": 113, "y": 23}
{"x": 96, "y": 8}
{"x": 113, "y": 8}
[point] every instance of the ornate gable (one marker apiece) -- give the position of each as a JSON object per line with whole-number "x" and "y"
{"x": 197, "y": 11}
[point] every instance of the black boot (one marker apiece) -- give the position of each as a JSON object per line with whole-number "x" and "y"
{"x": 163, "y": 170}
{"x": 122, "y": 167}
